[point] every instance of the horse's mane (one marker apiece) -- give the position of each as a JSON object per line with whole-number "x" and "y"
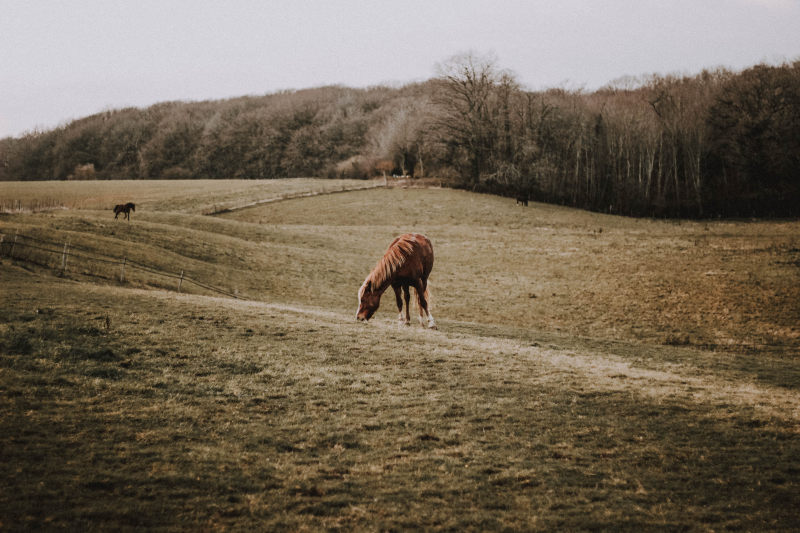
{"x": 392, "y": 260}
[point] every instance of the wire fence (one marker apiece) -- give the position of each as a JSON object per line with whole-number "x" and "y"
{"x": 62, "y": 257}
{"x": 222, "y": 209}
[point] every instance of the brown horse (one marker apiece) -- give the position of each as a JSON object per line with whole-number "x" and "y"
{"x": 407, "y": 263}
{"x": 125, "y": 209}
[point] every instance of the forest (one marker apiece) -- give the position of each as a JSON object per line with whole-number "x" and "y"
{"x": 714, "y": 144}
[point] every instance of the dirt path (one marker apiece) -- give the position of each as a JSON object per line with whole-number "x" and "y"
{"x": 596, "y": 371}
{"x": 580, "y": 368}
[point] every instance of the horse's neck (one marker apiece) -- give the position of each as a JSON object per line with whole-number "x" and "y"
{"x": 381, "y": 288}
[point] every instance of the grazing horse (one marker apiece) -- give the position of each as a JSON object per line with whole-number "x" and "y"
{"x": 522, "y": 199}
{"x": 125, "y": 209}
{"x": 407, "y": 263}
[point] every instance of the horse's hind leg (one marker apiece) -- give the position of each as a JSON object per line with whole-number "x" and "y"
{"x": 407, "y": 298}
{"x": 423, "y": 304}
{"x": 399, "y": 300}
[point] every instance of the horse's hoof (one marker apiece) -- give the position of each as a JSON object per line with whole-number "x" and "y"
{"x": 433, "y": 327}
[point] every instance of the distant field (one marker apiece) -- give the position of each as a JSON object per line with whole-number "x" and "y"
{"x": 181, "y": 196}
{"x": 590, "y": 371}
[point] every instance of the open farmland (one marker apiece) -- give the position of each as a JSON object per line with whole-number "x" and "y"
{"x": 590, "y": 371}
{"x": 178, "y": 196}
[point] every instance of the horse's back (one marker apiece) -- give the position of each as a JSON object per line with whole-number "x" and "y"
{"x": 420, "y": 259}
{"x": 418, "y": 241}
{"x": 426, "y": 249}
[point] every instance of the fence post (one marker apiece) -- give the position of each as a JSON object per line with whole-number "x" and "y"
{"x": 64, "y": 257}
{"x": 11, "y": 252}
{"x": 122, "y": 274}
{"x": 180, "y": 282}
{"x": 2, "y": 238}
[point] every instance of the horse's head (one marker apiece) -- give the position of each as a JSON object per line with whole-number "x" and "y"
{"x": 368, "y": 301}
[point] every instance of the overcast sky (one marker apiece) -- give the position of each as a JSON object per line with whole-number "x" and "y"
{"x": 61, "y": 60}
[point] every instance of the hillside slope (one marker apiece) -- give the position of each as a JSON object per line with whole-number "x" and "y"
{"x": 590, "y": 371}
{"x": 130, "y": 408}
{"x": 730, "y": 285}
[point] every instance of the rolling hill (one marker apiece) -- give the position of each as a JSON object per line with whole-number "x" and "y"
{"x": 590, "y": 371}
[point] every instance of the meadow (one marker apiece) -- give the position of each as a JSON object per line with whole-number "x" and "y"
{"x": 179, "y": 196}
{"x": 589, "y": 371}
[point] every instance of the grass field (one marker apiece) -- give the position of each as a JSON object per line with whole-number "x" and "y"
{"x": 590, "y": 371}
{"x": 181, "y": 196}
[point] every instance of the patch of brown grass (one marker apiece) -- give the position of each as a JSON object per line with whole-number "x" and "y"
{"x": 195, "y": 412}
{"x": 640, "y": 377}
{"x": 726, "y": 283}
{"x": 183, "y": 196}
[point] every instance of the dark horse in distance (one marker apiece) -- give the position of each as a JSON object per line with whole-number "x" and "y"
{"x": 125, "y": 209}
{"x": 407, "y": 263}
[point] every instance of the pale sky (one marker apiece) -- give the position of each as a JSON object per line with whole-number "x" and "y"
{"x": 64, "y": 59}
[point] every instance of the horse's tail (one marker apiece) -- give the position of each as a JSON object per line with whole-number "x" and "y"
{"x": 428, "y": 295}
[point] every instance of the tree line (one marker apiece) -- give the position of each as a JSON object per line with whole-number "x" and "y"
{"x": 718, "y": 143}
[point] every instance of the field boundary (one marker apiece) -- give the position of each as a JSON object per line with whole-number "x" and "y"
{"x": 294, "y": 196}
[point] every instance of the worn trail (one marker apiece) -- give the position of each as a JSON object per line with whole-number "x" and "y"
{"x": 596, "y": 370}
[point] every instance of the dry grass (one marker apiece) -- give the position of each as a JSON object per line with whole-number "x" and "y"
{"x": 726, "y": 285}
{"x": 256, "y": 416}
{"x": 586, "y": 274}
{"x": 182, "y": 196}
{"x": 584, "y": 407}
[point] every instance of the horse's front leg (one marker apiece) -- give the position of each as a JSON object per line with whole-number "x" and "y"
{"x": 407, "y": 296}
{"x": 399, "y": 300}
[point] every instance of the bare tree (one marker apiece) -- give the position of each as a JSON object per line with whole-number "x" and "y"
{"x": 466, "y": 97}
